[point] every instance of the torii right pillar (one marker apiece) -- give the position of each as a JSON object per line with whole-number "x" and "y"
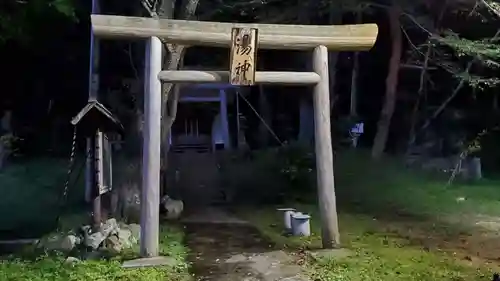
{"x": 324, "y": 152}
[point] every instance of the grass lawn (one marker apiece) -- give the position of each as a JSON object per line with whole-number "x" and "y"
{"x": 378, "y": 252}
{"x": 53, "y": 268}
{"x": 399, "y": 225}
{"x": 29, "y": 196}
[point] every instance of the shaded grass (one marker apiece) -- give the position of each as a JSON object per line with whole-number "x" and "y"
{"x": 53, "y": 268}
{"x": 386, "y": 186}
{"x": 388, "y": 216}
{"x": 30, "y": 195}
{"x": 377, "y": 254}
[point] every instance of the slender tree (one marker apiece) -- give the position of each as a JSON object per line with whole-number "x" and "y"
{"x": 173, "y": 60}
{"x": 391, "y": 83}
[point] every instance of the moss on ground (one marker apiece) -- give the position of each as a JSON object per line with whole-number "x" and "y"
{"x": 53, "y": 268}
{"x": 400, "y": 224}
{"x": 377, "y": 254}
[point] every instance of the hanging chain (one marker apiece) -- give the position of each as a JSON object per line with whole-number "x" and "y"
{"x": 70, "y": 165}
{"x": 66, "y": 184}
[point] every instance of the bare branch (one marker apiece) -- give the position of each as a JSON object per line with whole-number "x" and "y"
{"x": 450, "y": 98}
{"x": 417, "y": 50}
{"x": 150, "y": 8}
{"x": 440, "y": 109}
{"x": 491, "y": 8}
{"x": 421, "y": 91}
{"x": 131, "y": 60}
{"x": 172, "y": 105}
{"x": 189, "y": 9}
{"x": 404, "y": 13}
{"x": 166, "y": 8}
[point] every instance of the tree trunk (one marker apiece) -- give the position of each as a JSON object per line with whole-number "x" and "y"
{"x": 391, "y": 84}
{"x": 265, "y": 111}
{"x": 421, "y": 91}
{"x": 5, "y": 132}
{"x": 308, "y": 9}
{"x": 306, "y": 123}
{"x": 3, "y": 155}
{"x": 353, "y": 112}
{"x": 173, "y": 61}
{"x": 306, "y": 113}
{"x": 170, "y": 100}
{"x": 443, "y": 106}
{"x": 334, "y": 17}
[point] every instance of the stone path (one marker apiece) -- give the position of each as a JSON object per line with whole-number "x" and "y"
{"x": 225, "y": 248}
{"x": 211, "y": 215}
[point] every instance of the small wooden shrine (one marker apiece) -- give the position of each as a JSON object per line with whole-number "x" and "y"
{"x": 95, "y": 122}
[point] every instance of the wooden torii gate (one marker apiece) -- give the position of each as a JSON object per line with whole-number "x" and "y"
{"x": 318, "y": 39}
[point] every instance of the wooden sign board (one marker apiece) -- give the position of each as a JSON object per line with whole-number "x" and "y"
{"x": 107, "y": 165}
{"x": 103, "y": 189}
{"x": 103, "y": 164}
{"x": 243, "y": 59}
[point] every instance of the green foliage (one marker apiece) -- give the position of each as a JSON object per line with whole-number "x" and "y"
{"x": 272, "y": 174}
{"x": 65, "y": 7}
{"x": 29, "y": 194}
{"x": 484, "y": 48}
{"x": 297, "y": 164}
{"x": 479, "y": 82}
{"x": 384, "y": 187}
{"x": 9, "y": 143}
{"x": 19, "y": 19}
{"x": 280, "y": 11}
{"x": 484, "y": 52}
{"x": 253, "y": 177}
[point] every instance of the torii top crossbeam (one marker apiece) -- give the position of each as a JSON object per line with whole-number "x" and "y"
{"x": 359, "y": 37}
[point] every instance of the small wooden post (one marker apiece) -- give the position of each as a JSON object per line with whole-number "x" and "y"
{"x": 151, "y": 153}
{"x": 89, "y": 168}
{"x": 243, "y": 56}
{"x": 324, "y": 157}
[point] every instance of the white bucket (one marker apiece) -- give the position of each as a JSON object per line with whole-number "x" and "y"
{"x": 287, "y": 218}
{"x": 301, "y": 224}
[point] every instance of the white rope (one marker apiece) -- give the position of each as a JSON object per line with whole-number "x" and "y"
{"x": 261, "y": 119}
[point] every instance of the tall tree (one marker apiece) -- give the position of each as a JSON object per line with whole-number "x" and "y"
{"x": 173, "y": 57}
{"x": 479, "y": 56}
{"x": 391, "y": 82}
{"x": 353, "y": 112}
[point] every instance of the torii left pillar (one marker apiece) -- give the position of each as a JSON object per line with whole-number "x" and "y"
{"x": 151, "y": 156}
{"x": 151, "y": 152}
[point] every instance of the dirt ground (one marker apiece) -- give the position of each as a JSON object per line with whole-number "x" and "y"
{"x": 228, "y": 252}
{"x": 474, "y": 239}
{"x": 223, "y": 248}
{"x": 231, "y": 249}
